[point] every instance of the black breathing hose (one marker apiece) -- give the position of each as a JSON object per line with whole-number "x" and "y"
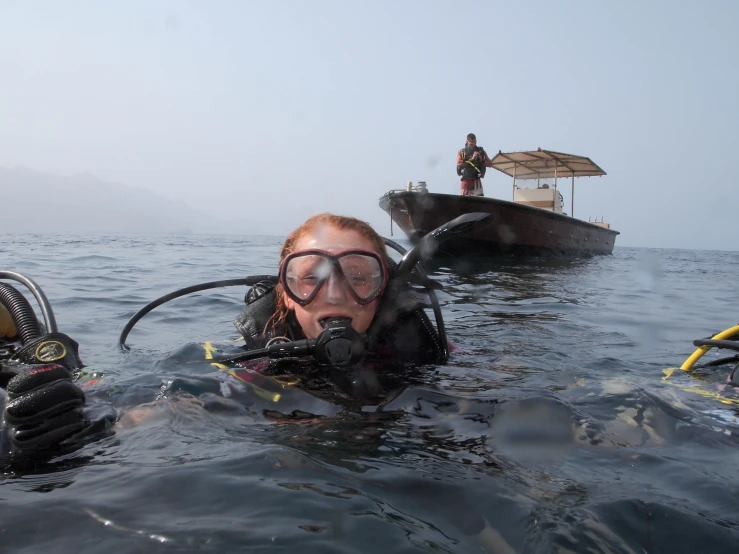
{"x": 725, "y": 343}
{"x": 21, "y": 312}
{"x": 48, "y": 313}
{"x": 248, "y": 281}
{"x": 422, "y": 279}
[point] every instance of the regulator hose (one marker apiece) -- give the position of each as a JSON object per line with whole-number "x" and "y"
{"x": 421, "y": 278}
{"x": 248, "y": 281}
{"x": 730, "y": 344}
{"x": 20, "y": 310}
{"x": 48, "y": 313}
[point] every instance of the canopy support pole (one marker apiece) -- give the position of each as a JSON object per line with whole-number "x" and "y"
{"x": 572, "y": 200}
{"x": 513, "y": 191}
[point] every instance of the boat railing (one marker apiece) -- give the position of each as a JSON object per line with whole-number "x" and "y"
{"x": 601, "y": 223}
{"x": 410, "y": 187}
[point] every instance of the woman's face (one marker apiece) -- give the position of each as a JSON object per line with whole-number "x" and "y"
{"x": 334, "y": 299}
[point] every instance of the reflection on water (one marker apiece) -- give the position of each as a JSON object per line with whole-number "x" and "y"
{"x": 551, "y": 428}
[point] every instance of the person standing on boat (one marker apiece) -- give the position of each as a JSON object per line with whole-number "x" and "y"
{"x": 472, "y": 160}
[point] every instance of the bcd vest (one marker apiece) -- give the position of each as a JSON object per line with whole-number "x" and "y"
{"x": 472, "y": 169}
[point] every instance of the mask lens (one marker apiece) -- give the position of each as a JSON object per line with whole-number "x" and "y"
{"x": 364, "y": 275}
{"x": 304, "y": 273}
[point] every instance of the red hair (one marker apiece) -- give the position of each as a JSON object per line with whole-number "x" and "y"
{"x": 325, "y": 219}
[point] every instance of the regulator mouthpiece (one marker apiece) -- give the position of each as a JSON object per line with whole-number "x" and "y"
{"x": 339, "y": 345}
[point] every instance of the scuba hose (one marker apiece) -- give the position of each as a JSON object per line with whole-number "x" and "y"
{"x": 248, "y": 281}
{"x": 21, "y": 311}
{"x": 24, "y": 322}
{"x": 424, "y": 249}
{"x": 421, "y": 278}
{"x": 338, "y": 345}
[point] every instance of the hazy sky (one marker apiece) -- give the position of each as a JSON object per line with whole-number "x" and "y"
{"x": 275, "y": 110}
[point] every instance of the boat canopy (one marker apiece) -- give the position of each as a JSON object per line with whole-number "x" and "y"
{"x": 544, "y": 164}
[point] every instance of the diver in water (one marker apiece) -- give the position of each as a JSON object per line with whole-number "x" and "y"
{"x": 335, "y": 270}
{"x": 340, "y": 316}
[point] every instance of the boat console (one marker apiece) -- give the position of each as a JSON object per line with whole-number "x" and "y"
{"x": 542, "y": 197}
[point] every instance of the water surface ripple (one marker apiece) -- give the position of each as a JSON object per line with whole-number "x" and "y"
{"x": 550, "y": 429}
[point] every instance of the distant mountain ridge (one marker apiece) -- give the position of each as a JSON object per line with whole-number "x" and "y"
{"x": 32, "y": 201}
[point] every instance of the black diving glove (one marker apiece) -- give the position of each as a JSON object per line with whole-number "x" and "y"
{"x": 44, "y": 406}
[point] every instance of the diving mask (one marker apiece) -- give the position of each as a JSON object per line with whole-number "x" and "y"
{"x": 304, "y": 273}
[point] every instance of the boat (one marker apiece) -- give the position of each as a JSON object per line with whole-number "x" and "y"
{"x": 532, "y": 224}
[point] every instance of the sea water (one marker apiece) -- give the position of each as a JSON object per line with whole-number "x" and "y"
{"x": 552, "y": 428}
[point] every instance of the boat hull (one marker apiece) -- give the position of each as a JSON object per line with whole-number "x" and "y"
{"x": 516, "y": 229}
